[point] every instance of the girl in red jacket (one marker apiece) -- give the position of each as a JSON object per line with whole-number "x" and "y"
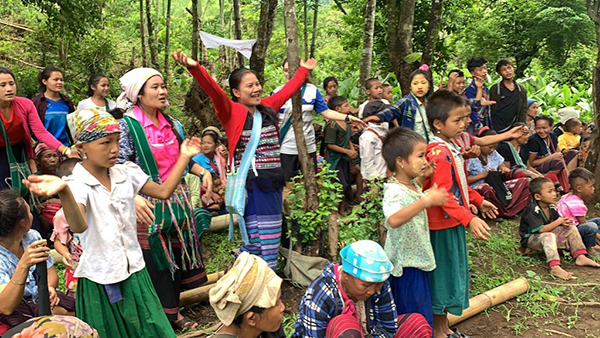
{"x": 450, "y": 279}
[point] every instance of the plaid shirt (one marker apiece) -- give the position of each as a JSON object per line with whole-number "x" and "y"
{"x": 322, "y": 302}
{"x": 405, "y": 111}
{"x": 480, "y": 115}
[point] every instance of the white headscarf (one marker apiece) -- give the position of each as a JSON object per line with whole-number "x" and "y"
{"x": 250, "y": 282}
{"x": 133, "y": 81}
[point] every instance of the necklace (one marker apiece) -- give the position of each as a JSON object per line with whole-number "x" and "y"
{"x": 400, "y": 182}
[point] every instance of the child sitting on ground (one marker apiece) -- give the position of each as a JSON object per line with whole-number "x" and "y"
{"x": 407, "y": 243}
{"x": 573, "y": 207}
{"x": 542, "y": 229}
{"x": 571, "y": 138}
{"x": 450, "y": 280}
{"x": 374, "y": 91}
{"x": 340, "y": 150}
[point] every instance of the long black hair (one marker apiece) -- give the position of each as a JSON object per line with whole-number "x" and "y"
{"x": 45, "y": 75}
{"x": 93, "y": 81}
{"x": 4, "y": 70}
{"x": 13, "y": 209}
{"x": 235, "y": 80}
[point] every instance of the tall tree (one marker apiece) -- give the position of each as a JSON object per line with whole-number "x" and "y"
{"x": 167, "y": 33}
{"x": 313, "y": 41}
{"x": 593, "y": 9}
{"x": 264, "y": 33}
{"x": 305, "y": 21}
{"x": 143, "y": 35}
{"x": 400, "y": 31}
{"x": 367, "y": 51}
{"x": 151, "y": 40}
{"x": 293, "y": 56}
{"x": 195, "y": 29}
{"x": 433, "y": 30}
{"x": 237, "y": 30}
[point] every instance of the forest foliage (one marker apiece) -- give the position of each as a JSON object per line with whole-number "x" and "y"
{"x": 551, "y": 41}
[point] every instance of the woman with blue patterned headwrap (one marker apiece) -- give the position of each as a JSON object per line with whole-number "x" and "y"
{"x": 354, "y": 299}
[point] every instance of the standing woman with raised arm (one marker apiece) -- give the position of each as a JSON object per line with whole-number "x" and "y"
{"x": 52, "y": 106}
{"x": 167, "y": 230}
{"x": 250, "y": 123}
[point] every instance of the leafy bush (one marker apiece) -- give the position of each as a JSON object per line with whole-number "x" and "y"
{"x": 363, "y": 222}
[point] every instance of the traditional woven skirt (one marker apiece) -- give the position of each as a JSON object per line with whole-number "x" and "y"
{"x": 519, "y": 188}
{"x": 449, "y": 281}
{"x": 139, "y": 314}
{"x": 412, "y": 293}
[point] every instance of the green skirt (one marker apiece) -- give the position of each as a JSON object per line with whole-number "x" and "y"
{"x": 450, "y": 279}
{"x": 139, "y": 314}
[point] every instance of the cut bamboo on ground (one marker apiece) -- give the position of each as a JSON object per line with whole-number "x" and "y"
{"x": 200, "y": 293}
{"x": 221, "y": 222}
{"x": 490, "y": 298}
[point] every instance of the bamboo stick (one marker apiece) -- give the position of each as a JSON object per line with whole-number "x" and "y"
{"x": 200, "y": 293}
{"x": 490, "y": 298}
{"x": 221, "y": 222}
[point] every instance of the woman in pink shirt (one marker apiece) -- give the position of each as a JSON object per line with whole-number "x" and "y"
{"x": 151, "y": 139}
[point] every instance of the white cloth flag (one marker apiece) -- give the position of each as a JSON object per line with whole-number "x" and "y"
{"x": 242, "y": 46}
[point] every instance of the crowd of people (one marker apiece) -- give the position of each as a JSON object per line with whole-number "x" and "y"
{"x": 124, "y": 195}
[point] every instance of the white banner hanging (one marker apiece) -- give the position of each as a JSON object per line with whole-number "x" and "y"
{"x": 242, "y": 46}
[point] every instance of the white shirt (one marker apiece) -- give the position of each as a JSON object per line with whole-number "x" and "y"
{"x": 88, "y": 103}
{"x": 311, "y": 101}
{"x": 372, "y": 162}
{"x": 111, "y": 250}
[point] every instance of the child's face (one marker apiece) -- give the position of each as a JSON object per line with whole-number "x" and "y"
{"x": 542, "y": 128}
{"x": 467, "y": 118}
{"x": 48, "y": 161}
{"x": 419, "y": 86}
{"x": 507, "y": 72}
{"x": 487, "y": 150}
{"x": 331, "y": 88}
{"x": 101, "y": 88}
{"x": 585, "y": 189}
{"x": 376, "y": 90}
{"x": 102, "y": 152}
{"x": 344, "y": 108}
{"x": 416, "y": 162}
{"x": 577, "y": 129}
{"x": 388, "y": 94}
{"x": 585, "y": 145}
{"x": 459, "y": 85}
{"x": 548, "y": 193}
{"x": 454, "y": 124}
{"x": 480, "y": 72}
{"x": 208, "y": 145}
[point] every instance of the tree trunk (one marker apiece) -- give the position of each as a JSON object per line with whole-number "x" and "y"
{"x": 143, "y": 35}
{"x": 195, "y": 30}
{"x": 307, "y": 166}
{"x": 237, "y": 30}
{"x": 305, "y": 20}
{"x": 168, "y": 31}
{"x": 433, "y": 30}
{"x": 263, "y": 37}
{"x": 594, "y": 154}
{"x": 367, "y": 51}
{"x": 151, "y": 41}
{"x": 400, "y": 29}
{"x": 314, "y": 27}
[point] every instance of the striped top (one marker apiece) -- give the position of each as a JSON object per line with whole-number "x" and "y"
{"x": 267, "y": 154}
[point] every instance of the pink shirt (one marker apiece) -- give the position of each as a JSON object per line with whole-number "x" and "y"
{"x": 162, "y": 140}
{"x": 571, "y": 206}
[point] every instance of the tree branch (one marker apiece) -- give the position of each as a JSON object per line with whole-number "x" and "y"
{"x": 339, "y": 6}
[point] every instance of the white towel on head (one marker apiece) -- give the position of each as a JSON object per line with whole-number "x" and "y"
{"x": 133, "y": 81}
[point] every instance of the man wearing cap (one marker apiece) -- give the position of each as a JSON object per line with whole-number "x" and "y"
{"x": 354, "y": 299}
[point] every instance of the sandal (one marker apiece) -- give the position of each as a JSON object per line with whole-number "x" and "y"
{"x": 458, "y": 334}
{"x": 185, "y": 324}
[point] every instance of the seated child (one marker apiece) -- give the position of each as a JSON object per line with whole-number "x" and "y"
{"x": 407, "y": 243}
{"x": 573, "y": 207}
{"x": 490, "y": 177}
{"x": 542, "y": 229}
{"x": 571, "y": 138}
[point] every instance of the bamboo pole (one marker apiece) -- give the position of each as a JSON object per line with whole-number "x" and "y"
{"x": 490, "y": 298}
{"x": 221, "y": 222}
{"x": 200, "y": 293}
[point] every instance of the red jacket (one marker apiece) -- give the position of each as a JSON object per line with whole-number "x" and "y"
{"x": 233, "y": 114}
{"x": 454, "y": 213}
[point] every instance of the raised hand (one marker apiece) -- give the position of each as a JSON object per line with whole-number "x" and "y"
{"x": 183, "y": 60}
{"x": 44, "y": 185}
{"x": 516, "y": 132}
{"x": 435, "y": 196}
{"x": 310, "y": 64}
{"x": 472, "y": 152}
{"x": 488, "y": 209}
{"x": 191, "y": 147}
{"x": 36, "y": 252}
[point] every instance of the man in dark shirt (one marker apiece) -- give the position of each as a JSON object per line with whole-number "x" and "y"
{"x": 510, "y": 97}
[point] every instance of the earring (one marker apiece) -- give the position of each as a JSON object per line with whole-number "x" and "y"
{"x": 82, "y": 155}
{"x": 402, "y": 166}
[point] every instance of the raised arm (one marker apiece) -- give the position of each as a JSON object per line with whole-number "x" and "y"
{"x": 221, "y": 102}
{"x": 278, "y": 99}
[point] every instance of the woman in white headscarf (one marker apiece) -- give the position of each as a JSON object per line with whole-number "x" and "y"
{"x": 166, "y": 229}
{"x": 247, "y": 299}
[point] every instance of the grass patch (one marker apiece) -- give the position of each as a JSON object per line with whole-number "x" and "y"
{"x": 220, "y": 250}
